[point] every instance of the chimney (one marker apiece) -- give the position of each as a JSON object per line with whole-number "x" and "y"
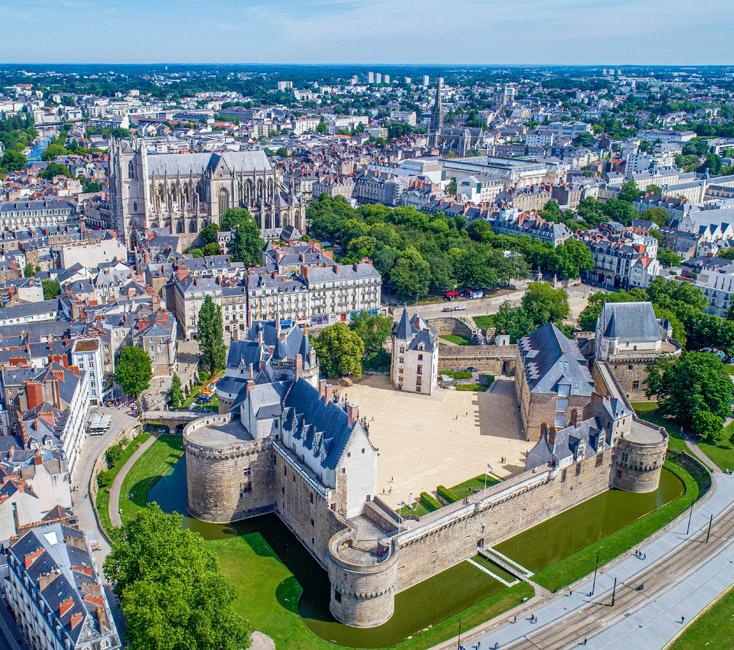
{"x": 322, "y": 388}
{"x": 65, "y": 606}
{"x": 30, "y": 558}
{"x": 551, "y": 435}
{"x": 299, "y": 365}
{"x": 34, "y": 394}
{"x": 352, "y": 414}
{"x": 328, "y": 394}
{"x": 575, "y": 419}
{"x": 249, "y": 386}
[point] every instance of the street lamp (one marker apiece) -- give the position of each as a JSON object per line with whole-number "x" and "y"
{"x": 596, "y": 567}
{"x": 458, "y": 642}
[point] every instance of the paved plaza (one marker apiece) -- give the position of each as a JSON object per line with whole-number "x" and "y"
{"x": 441, "y": 439}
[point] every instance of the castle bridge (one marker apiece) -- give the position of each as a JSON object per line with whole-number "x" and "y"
{"x": 174, "y": 420}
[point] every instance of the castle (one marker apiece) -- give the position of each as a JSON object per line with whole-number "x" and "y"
{"x": 283, "y": 443}
{"x": 184, "y": 192}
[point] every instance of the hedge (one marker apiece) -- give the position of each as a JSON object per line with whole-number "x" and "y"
{"x": 429, "y": 502}
{"x": 446, "y": 494}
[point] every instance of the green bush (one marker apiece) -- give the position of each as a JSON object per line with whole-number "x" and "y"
{"x": 446, "y": 494}
{"x": 113, "y": 454}
{"x": 429, "y": 502}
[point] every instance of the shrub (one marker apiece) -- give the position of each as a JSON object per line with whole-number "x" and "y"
{"x": 446, "y": 494}
{"x": 113, "y": 454}
{"x": 429, "y": 502}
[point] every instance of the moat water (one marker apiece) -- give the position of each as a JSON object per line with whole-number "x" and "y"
{"x": 443, "y": 595}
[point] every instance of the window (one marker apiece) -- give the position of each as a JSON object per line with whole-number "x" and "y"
{"x": 599, "y": 459}
{"x": 563, "y": 476}
{"x": 630, "y": 366}
{"x": 311, "y": 495}
{"x": 338, "y": 596}
{"x": 578, "y": 468}
{"x": 420, "y": 357}
{"x": 420, "y": 370}
{"x": 131, "y": 170}
{"x": 635, "y": 384}
{"x": 312, "y": 521}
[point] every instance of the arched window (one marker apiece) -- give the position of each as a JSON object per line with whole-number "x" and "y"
{"x": 131, "y": 170}
{"x": 223, "y": 199}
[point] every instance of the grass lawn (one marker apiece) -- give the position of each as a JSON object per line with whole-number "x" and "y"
{"x": 722, "y": 453}
{"x": 581, "y": 563}
{"x": 154, "y": 463}
{"x": 714, "y": 628}
{"x": 473, "y": 485}
{"x": 453, "y": 338}
{"x": 730, "y": 368}
{"x": 484, "y": 322}
{"x": 103, "y": 497}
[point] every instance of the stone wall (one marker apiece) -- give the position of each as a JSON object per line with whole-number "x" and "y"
{"x": 454, "y": 537}
{"x": 638, "y": 465}
{"x": 452, "y": 325}
{"x": 362, "y": 594}
{"x": 304, "y": 506}
{"x": 231, "y": 483}
{"x": 493, "y": 359}
{"x": 632, "y": 376}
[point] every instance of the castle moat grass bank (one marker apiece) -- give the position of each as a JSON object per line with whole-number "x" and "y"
{"x": 285, "y": 593}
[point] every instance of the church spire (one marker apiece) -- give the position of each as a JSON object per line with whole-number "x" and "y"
{"x": 437, "y": 111}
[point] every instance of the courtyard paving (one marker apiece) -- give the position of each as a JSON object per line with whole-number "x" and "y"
{"x": 439, "y": 439}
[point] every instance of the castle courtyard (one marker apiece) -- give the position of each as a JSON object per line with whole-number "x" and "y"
{"x": 441, "y": 439}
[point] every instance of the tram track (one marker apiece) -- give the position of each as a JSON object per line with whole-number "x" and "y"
{"x": 585, "y": 622}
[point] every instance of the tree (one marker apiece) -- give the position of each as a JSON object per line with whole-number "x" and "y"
{"x": 659, "y": 216}
{"x": 321, "y": 127}
{"x": 211, "y": 249}
{"x": 55, "y": 169}
{"x": 340, "y": 351}
{"x": 543, "y": 303}
{"x": 234, "y": 217}
{"x": 619, "y": 210}
{"x": 695, "y": 389}
{"x": 629, "y": 192}
{"x": 13, "y": 160}
{"x": 211, "y": 336}
{"x": 51, "y": 289}
{"x": 175, "y": 394}
{"x": 668, "y": 258}
{"x": 208, "y": 234}
{"x": 29, "y": 271}
{"x": 246, "y": 245}
{"x": 170, "y": 587}
{"x": 512, "y": 321}
{"x": 133, "y": 371}
{"x": 584, "y": 140}
{"x": 409, "y": 275}
{"x": 373, "y": 329}
{"x": 574, "y": 259}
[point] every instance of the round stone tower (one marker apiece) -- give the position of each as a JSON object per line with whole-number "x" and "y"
{"x": 229, "y": 475}
{"x": 639, "y": 458}
{"x": 363, "y": 580}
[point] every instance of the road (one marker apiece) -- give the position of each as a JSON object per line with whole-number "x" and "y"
{"x": 578, "y": 297}
{"x": 92, "y": 448}
{"x": 680, "y": 574}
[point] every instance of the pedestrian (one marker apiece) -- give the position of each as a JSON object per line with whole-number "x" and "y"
{"x": 585, "y": 640}
{"x": 682, "y": 618}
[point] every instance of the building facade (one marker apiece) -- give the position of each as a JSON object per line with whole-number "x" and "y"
{"x": 184, "y": 192}
{"x": 414, "y": 359}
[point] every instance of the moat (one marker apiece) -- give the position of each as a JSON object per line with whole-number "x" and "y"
{"x": 432, "y": 600}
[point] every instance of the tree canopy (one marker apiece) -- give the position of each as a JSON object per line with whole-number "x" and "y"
{"x": 170, "y": 588}
{"x": 133, "y": 371}
{"x": 175, "y": 393}
{"x": 695, "y": 389}
{"x": 340, "y": 351}
{"x": 246, "y": 245}
{"x": 210, "y": 334}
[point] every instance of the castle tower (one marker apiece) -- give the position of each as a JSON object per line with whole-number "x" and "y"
{"x": 414, "y": 361}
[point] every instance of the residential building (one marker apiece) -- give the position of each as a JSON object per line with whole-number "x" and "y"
{"x": 86, "y": 354}
{"x": 15, "y": 215}
{"x": 55, "y": 593}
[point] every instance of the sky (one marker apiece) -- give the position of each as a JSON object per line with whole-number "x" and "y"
{"x": 573, "y": 32}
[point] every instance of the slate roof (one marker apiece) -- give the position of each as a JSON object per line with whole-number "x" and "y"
{"x": 551, "y": 359}
{"x": 323, "y": 427}
{"x": 172, "y": 164}
{"x": 629, "y": 321}
{"x": 61, "y": 551}
{"x": 565, "y": 444}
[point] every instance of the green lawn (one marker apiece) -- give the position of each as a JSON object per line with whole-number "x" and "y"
{"x": 730, "y": 368}
{"x": 714, "y": 628}
{"x": 453, "y": 338}
{"x": 103, "y": 496}
{"x": 579, "y": 564}
{"x": 154, "y": 463}
{"x": 268, "y": 596}
{"x": 722, "y": 453}
{"x": 473, "y": 485}
{"x": 484, "y": 322}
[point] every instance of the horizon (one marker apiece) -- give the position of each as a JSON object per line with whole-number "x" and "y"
{"x": 368, "y": 32}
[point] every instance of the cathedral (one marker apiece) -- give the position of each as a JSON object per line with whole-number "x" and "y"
{"x": 460, "y": 140}
{"x": 183, "y": 192}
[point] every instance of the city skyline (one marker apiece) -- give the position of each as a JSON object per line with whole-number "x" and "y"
{"x": 375, "y": 32}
